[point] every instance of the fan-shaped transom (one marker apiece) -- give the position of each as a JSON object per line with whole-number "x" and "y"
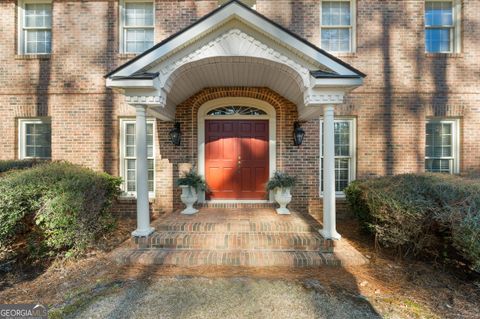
{"x": 236, "y": 110}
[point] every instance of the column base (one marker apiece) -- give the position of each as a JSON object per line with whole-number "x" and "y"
{"x": 142, "y": 232}
{"x": 328, "y": 235}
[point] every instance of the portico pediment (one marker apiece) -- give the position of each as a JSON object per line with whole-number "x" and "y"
{"x": 235, "y": 46}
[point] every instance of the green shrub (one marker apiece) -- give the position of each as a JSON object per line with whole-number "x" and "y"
{"x": 64, "y": 206}
{"x": 192, "y": 179}
{"x": 421, "y": 213}
{"x": 281, "y": 180}
{"x": 18, "y": 164}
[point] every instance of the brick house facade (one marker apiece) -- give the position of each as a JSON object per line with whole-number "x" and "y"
{"x": 405, "y": 87}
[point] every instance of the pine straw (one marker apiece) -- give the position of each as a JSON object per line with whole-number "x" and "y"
{"x": 402, "y": 287}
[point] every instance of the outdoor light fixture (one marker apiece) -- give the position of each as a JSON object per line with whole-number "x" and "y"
{"x": 176, "y": 134}
{"x": 298, "y": 134}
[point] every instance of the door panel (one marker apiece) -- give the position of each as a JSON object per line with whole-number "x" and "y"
{"x": 236, "y": 158}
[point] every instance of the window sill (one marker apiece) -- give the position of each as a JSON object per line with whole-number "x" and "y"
{"x": 344, "y": 54}
{"x": 131, "y": 198}
{"x": 127, "y": 55}
{"x": 443, "y": 55}
{"x": 340, "y": 197}
{"x": 32, "y": 56}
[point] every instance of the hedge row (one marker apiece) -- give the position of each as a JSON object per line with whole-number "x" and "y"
{"x": 18, "y": 164}
{"x": 57, "y": 207}
{"x": 434, "y": 213}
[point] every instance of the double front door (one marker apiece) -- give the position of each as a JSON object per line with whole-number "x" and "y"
{"x": 236, "y": 159}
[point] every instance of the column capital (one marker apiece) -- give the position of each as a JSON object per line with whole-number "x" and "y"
{"x": 329, "y": 108}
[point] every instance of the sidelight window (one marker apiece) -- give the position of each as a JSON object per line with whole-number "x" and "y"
{"x": 344, "y": 154}
{"x": 128, "y": 157}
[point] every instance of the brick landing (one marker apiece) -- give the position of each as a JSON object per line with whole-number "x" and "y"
{"x": 251, "y": 237}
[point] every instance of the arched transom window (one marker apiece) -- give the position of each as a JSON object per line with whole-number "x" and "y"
{"x": 236, "y": 110}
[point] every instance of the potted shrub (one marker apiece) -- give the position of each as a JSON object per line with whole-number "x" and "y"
{"x": 280, "y": 184}
{"x": 190, "y": 183}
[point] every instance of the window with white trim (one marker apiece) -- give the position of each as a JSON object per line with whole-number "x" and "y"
{"x": 128, "y": 160}
{"x": 337, "y": 25}
{"x": 35, "y": 27}
{"x": 34, "y": 138}
{"x": 344, "y": 154}
{"x": 137, "y": 25}
{"x": 441, "y": 146}
{"x": 442, "y": 26}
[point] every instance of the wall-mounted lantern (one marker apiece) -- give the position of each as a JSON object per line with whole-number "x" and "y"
{"x": 298, "y": 134}
{"x": 176, "y": 134}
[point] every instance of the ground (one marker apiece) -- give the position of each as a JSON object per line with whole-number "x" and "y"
{"x": 387, "y": 287}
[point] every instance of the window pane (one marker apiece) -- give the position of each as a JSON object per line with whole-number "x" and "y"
{"x": 439, "y": 165}
{"x": 336, "y": 13}
{"x": 130, "y": 140}
{"x": 38, "y": 41}
{"x": 130, "y": 128}
{"x": 139, "y": 14}
{"x": 336, "y": 40}
{"x": 138, "y": 40}
{"x": 38, "y": 15}
{"x": 438, "y": 13}
{"x": 38, "y": 140}
{"x": 439, "y": 144}
{"x": 151, "y": 174}
{"x": 438, "y": 40}
{"x": 342, "y": 171}
{"x": 30, "y": 151}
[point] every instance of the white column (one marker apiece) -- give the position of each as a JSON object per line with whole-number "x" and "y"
{"x": 143, "y": 213}
{"x": 329, "y": 217}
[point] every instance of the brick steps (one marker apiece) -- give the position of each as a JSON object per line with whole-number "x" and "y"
{"x": 248, "y": 237}
{"x": 236, "y": 241}
{"x": 240, "y": 258}
{"x": 237, "y": 226}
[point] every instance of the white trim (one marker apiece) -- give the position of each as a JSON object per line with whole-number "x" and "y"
{"x": 22, "y": 137}
{"x": 21, "y": 45}
{"x": 123, "y": 121}
{"x": 352, "y": 171}
{"x": 455, "y": 141}
{"x": 121, "y": 24}
{"x": 352, "y": 27}
{"x": 244, "y": 101}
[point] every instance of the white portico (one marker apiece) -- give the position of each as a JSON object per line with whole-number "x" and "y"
{"x": 234, "y": 46}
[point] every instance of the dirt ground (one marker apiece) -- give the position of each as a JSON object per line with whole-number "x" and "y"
{"x": 386, "y": 287}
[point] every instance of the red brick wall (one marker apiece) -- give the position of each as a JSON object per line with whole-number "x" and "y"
{"x": 404, "y": 85}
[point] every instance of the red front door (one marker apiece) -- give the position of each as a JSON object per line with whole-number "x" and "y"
{"x": 236, "y": 158}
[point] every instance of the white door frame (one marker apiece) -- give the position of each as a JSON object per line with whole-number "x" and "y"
{"x": 237, "y": 101}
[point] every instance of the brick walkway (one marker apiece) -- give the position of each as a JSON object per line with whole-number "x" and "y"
{"x": 252, "y": 237}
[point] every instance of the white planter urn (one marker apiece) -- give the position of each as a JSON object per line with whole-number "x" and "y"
{"x": 283, "y": 198}
{"x": 189, "y": 197}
